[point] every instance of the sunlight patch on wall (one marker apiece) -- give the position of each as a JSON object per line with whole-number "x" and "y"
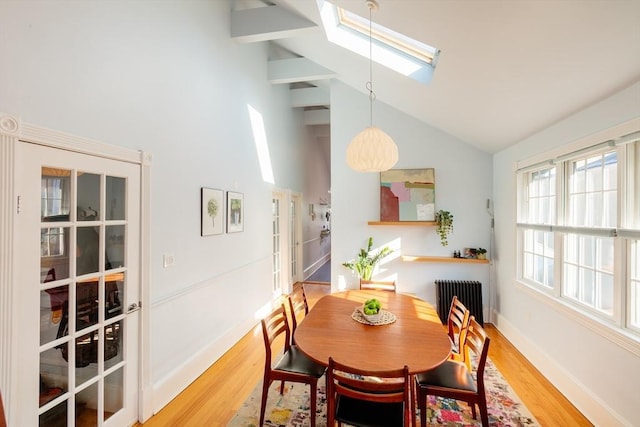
{"x": 262, "y": 147}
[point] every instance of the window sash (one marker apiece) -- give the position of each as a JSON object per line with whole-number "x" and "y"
{"x": 577, "y": 251}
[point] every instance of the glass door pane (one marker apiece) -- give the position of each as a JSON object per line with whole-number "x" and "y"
{"x": 82, "y": 288}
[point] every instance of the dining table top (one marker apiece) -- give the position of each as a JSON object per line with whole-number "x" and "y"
{"x": 416, "y": 338}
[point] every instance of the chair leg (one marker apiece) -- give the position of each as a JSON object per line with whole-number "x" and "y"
{"x": 313, "y": 403}
{"x": 414, "y": 421}
{"x": 484, "y": 414}
{"x": 282, "y": 387}
{"x": 473, "y": 410}
{"x": 422, "y": 404}
{"x": 263, "y": 405}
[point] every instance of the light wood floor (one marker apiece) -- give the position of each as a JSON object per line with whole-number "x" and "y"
{"x": 214, "y": 398}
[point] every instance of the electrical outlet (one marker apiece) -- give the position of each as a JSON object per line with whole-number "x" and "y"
{"x": 167, "y": 260}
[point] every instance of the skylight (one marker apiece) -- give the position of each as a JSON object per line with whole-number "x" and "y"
{"x": 396, "y": 51}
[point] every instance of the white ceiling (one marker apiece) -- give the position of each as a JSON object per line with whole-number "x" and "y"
{"x": 507, "y": 69}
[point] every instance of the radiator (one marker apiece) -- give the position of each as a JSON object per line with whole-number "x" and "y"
{"x": 469, "y": 292}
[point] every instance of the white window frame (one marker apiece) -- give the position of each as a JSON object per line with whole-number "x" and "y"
{"x": 617, "y": 326}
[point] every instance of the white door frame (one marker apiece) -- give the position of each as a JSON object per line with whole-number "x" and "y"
{"x": 296, "y": 198}
{"x": 286, "y": 197}
{"x": 11, "y": 132}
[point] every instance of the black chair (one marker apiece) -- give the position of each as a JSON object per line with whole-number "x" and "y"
{"x": 454, "y": 380}
{"x": 365, "y": 398}
{"x": 292, "y": 366}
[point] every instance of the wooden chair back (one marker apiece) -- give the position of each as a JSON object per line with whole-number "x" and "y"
{"x": 377, "y": 285}
{"x": 292, "y": 366}
{"x": 360, "y": 396}
{"x": 274, "y": 325}
{"x": 452, "y": 379}
{"x": 457, "y": 322}
{"x": 476, "y": 343}
{"x": 298, "y": 308}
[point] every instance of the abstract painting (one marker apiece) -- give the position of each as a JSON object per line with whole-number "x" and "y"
{"x": 407, "y": 195}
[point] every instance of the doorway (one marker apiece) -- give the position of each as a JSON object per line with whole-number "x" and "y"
{"x": 78, "y": 287}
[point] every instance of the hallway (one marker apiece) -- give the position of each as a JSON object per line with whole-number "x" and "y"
{"x": 321, "y": 275}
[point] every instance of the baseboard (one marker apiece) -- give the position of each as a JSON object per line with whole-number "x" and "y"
{"x": 316, "y": 266}
{"x": 165, "y": 390}
{"x": 587, "y": 402}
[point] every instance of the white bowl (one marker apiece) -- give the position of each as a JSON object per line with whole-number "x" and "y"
{"x": 372, "y": 318}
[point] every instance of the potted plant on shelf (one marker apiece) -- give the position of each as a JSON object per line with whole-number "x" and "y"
{"x": 367, "y": 260}
{"x": 481, "y": 253}
{"x": 444, "y": 225}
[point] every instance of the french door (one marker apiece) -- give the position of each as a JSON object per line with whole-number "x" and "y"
{"x": 78, "y": 287}
{"x": 286, "y": 232}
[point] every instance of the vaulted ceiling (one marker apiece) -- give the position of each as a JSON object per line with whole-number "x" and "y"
{"x": 507, "y": 69}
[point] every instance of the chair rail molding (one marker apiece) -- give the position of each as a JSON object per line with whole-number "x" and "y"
{"x": 9, "y": 133}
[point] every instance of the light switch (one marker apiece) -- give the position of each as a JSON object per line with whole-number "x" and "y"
{"x": 167, "y": 260}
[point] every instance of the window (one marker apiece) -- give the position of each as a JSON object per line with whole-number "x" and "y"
{"x": 579, "y": 230}
{"x": 395, "y": 51}
{"x": 635, "y": 285}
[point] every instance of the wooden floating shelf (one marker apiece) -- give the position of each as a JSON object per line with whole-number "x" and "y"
{"x": 421, "y": 258}
{"x": 420, "y": 223}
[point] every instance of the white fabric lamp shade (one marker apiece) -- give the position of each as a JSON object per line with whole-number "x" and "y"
{"x": 372, "y": 150}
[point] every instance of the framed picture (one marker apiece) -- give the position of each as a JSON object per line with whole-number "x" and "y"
{"x": 235, "y": 212}
{"x": 211, "y": 211}
{"x": 407, "y": 195}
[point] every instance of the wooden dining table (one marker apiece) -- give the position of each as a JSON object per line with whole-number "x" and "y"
{"x": 416, "y": 338}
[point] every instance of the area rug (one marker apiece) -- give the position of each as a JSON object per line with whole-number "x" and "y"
{"x": 292, "y": 408}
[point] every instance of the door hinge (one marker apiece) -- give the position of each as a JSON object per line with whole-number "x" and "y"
{"x": 18, "y": 204}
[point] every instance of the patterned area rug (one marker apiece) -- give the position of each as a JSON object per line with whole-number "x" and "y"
{"x": 292, "y": 408}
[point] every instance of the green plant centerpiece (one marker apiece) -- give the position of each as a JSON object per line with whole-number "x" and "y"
{"x": 371, "y": 306}
{"x": 367, "y": 260}
{"x": 444, "y": 225}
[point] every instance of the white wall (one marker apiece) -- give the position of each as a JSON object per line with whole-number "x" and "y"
{"x": 598, "y": 376}
{"x": 463, "y": 185}
{"x": 165, "y": 77}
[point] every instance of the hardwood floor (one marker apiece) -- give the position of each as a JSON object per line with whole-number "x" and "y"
{"x": 214, "y": 398}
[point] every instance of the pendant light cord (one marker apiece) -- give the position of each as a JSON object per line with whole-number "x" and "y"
{"x": 372, "y": 95}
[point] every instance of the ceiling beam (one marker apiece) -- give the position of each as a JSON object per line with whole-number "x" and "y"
{"x": 309, "y": 97}
{"x": 317, "y": 117}
{"x": 267, "y": 23}
{"x": 294, "y": 70}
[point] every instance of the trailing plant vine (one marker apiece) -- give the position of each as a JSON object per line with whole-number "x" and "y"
{"x": 444, "y": 225}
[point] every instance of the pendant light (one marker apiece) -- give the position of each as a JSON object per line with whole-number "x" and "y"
{"x": 372, "y": 150}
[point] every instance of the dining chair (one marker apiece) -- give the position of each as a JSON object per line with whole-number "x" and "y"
{"x": 366, "y": 398}
{"x": 457, "y": 323}
{"x": 297, "y": 306}
{"x": 454, "y": 380}
{"x": 377, "y": 285}
{"x": 292, "y": 366}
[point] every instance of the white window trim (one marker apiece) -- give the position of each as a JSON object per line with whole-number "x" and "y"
{"x": 606, "y": 329}
{"x": 611, "y": 328}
